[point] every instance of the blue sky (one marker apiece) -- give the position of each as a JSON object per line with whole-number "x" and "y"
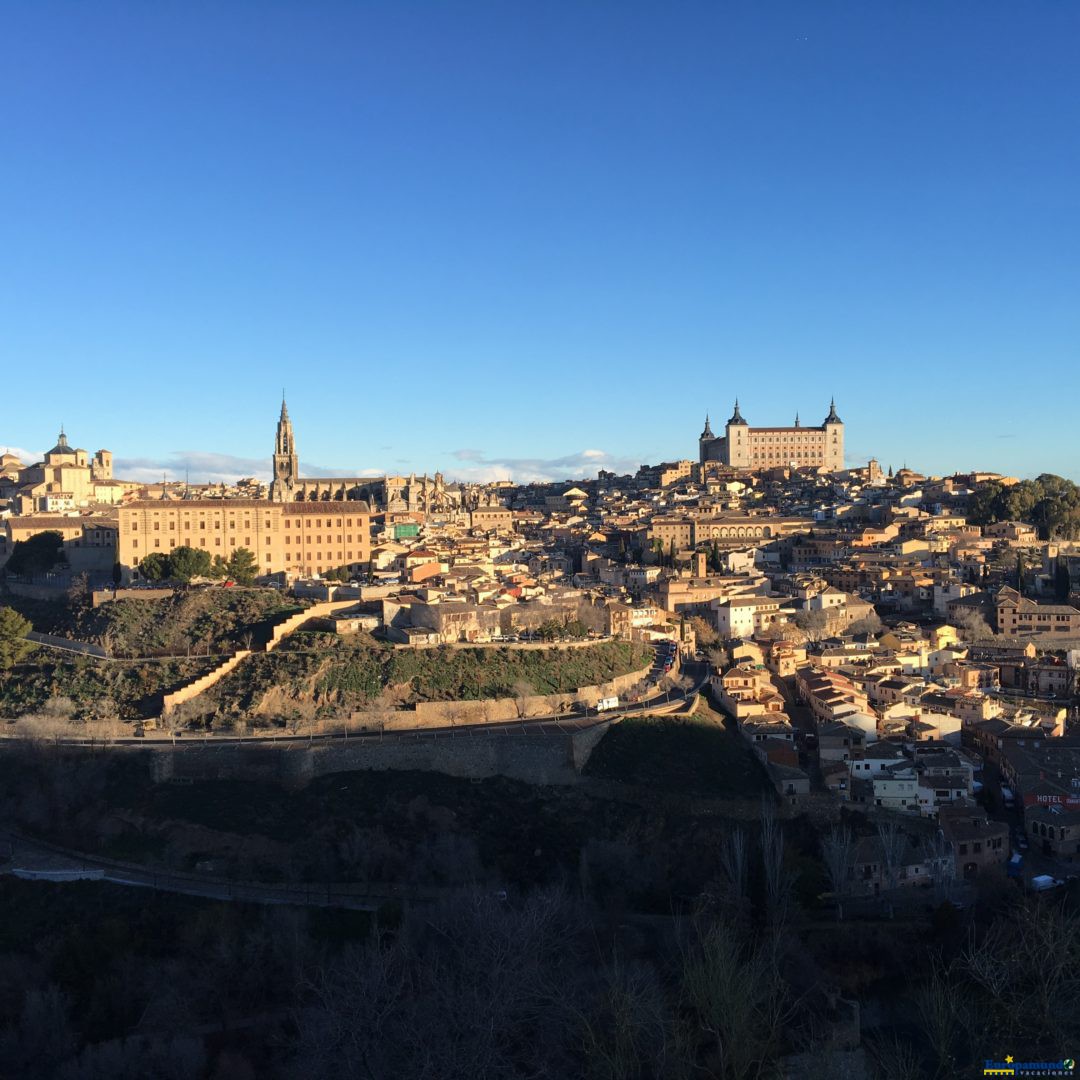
{"x": 533, "y": 239}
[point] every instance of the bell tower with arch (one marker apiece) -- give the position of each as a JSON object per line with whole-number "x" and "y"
{"x": 286, "y": 462}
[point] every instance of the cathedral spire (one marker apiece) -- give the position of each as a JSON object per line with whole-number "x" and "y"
{"x": 286, "y": 462}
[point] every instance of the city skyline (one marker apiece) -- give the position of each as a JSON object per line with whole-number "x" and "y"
{"x": 469, "y": 464}
{"x": 495, "y": 240}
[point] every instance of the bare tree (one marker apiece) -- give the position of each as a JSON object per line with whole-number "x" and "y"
{"x": 719, "y": 658}
{"x": 735, "y": 862}
{"x": 971, "y": 625}
{"x": 777, "y": 879}
{"x": 838, "y": 850}
{"x": 627, "y": 1034}
{"x": 736, "y": 997}
{"x": 940, "y": 863}
{"x": 893, "y": 843}
{"x": 523, "y": 690}
{"x": 940, "y": 1003}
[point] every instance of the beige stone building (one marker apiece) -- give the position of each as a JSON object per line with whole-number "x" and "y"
{"x": 492, "y": 518}
{"x": 65, "y": 479}
{"x": 89, "y": 541}
{"x": 745, "y": 447}
{"x": 297, "y": 538}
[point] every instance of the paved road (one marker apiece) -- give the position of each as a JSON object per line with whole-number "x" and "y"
{"x": 37, "y": 860}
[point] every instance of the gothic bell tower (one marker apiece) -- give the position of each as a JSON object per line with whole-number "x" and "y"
{"x": 286, "y": 463}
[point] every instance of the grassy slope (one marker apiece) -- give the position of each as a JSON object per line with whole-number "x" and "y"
{"x": 134, "y": 688}
{"x": 353, "y": 674}
{"x": 189, "y": 619}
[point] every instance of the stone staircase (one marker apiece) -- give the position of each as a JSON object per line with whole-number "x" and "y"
{"x": 281, "y": 631}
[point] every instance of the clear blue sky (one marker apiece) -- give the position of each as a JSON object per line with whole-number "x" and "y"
{"x": 535, "y": 237}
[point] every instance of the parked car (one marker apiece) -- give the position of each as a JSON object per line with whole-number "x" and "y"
{"x": 1044, "y": 882}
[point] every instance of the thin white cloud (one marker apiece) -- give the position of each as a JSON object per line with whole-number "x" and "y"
{"x": 582, "y": 465}
{"x": 27, "y": 457}
{"x": 207, "y": 467}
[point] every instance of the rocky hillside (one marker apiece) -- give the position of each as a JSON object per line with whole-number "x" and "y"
{"x": 339, "y": 673}
{"x": 192, "y": 620}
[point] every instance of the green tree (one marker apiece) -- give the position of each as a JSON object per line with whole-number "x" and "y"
{"x": 186, "y": 563}
{"x": 1062, "y": 581}
{"x": 242, "y": 566}
{"x": 38, "y": 554}
{"x": 154, "y": 567}
{"x": 716, "y": 563}
{"x": 117, "y": 573}
{"x": 13, "y": 643}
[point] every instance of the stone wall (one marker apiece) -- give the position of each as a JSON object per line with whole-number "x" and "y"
{"x": 520, "y": 646}
{"x": 533, "y": 759}
{"x": 105, "y": 596}
{"x": 87, "y": 648}
{"x": 203, "y": 682}
{"x": 437, "y": 714}
{"x": 293, "y": 622}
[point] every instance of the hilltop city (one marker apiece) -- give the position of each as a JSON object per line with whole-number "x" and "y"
{"x": 874, "y": 668}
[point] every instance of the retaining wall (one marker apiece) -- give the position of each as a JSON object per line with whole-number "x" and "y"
{"x": 87, "y": 648}
{"x": 203, "y": 682}
{"x": 106, "y": 596}
{"x": 533, "y": 759}
{"x": 293, "y": 622}
{"x": 437, "y": 714}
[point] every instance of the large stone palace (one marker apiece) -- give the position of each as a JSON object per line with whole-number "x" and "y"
{"x": 745, "y": 447}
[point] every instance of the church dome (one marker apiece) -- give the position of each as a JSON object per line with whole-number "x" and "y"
{"x": 61, "y": 446}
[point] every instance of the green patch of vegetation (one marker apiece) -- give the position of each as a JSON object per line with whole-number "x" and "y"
{"x": 354, "y": 673}
{"x": 190, "y": 621}
{"x": 86, "y": 688}
{"x": 691, "y": 755}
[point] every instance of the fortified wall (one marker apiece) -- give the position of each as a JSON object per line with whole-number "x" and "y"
{"x": 439, "y": 714}
{"x": 533, "y": 759}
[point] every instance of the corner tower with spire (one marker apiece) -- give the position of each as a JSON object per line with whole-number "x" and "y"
{"x": 286, "y": 463}
{"x": 738, "y": 440}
